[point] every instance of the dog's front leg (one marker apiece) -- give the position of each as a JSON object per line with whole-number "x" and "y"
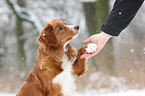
{"x": 71, "y": 52}
{"x": 79, "y": 65}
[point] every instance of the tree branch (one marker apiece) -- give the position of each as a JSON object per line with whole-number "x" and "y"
{"x": 25, "y": 15}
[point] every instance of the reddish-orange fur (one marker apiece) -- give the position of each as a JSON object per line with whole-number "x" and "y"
{"x": 48, "y": 65}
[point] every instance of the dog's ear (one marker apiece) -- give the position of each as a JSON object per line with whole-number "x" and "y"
{"x": 47, "y": 36}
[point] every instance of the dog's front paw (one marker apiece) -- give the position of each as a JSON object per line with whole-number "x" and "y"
{"x": 91, "y": 48}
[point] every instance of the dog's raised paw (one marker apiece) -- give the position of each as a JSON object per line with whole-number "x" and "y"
{"x": 91, "y": 48}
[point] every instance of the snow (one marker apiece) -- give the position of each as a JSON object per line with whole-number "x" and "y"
{"x": 27, "y": 15}
{"x": 4, "y": 94}
{"x": 127, "y": 93}
{"x": 120, "y": 13}
{"x": 91, "y": 48}
{"x": 143, "y": 49}
{"x": 130, "y": 70}
{"x": 93, "y": 93}
{"x": 114, "y": 83}
{"x": 131, "y": 50}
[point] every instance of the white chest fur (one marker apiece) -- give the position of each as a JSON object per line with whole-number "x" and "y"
{"x": 65, "y": 78}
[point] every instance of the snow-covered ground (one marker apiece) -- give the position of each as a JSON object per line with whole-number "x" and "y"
{"x": 126, "y": 93}
{"x": 4, "y": 94}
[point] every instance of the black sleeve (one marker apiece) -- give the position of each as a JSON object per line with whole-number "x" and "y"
{"x": 121, "y": 15}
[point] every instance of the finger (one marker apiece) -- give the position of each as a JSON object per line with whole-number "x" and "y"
{"x": 87, "y": 55}
{"x": 86, "y": 41}
{"x": 90, "y": 55}
{"x": 84, "y": 56}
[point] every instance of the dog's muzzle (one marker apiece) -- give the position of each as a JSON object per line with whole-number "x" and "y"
{"x": 75, "y": 28}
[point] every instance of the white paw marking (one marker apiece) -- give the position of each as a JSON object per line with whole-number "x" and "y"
{"x": 91, "y": 48}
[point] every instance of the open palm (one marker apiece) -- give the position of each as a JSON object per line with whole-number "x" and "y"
{"x": 99, "y": 39}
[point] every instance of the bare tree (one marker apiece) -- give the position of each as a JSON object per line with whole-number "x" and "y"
{"x": 25, "y": 15}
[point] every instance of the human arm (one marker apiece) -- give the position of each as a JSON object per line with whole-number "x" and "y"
{"x": 121, "y": 15}
{"x": 119, "y": 18}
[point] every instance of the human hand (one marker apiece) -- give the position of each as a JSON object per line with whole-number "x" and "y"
{"x": 99, "y": 39}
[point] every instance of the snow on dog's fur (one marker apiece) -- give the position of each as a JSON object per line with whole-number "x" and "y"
{"x": 57, "y": 64}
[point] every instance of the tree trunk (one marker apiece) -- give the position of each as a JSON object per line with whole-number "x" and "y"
{"x": 19, "y": 32}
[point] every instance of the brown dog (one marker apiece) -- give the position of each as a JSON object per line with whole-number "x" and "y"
{"x": 53, "y": 74}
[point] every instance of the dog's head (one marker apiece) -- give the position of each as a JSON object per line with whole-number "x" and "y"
{"x": 57, "y": 32}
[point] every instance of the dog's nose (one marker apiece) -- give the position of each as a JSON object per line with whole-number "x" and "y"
{"x": 76, "y": 27}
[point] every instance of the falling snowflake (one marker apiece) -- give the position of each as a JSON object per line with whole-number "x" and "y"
{"x": 130, "y": 70}
{"x": 131, "y": 50}
{"x": 120, "y": 13}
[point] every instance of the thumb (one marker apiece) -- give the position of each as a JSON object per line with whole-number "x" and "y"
{"x": 86, "y": 41}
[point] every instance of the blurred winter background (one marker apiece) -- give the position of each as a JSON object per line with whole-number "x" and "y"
{"x": 118, "y": 69}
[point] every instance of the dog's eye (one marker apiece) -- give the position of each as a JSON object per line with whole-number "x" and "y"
{"x": 60, "y": 28}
